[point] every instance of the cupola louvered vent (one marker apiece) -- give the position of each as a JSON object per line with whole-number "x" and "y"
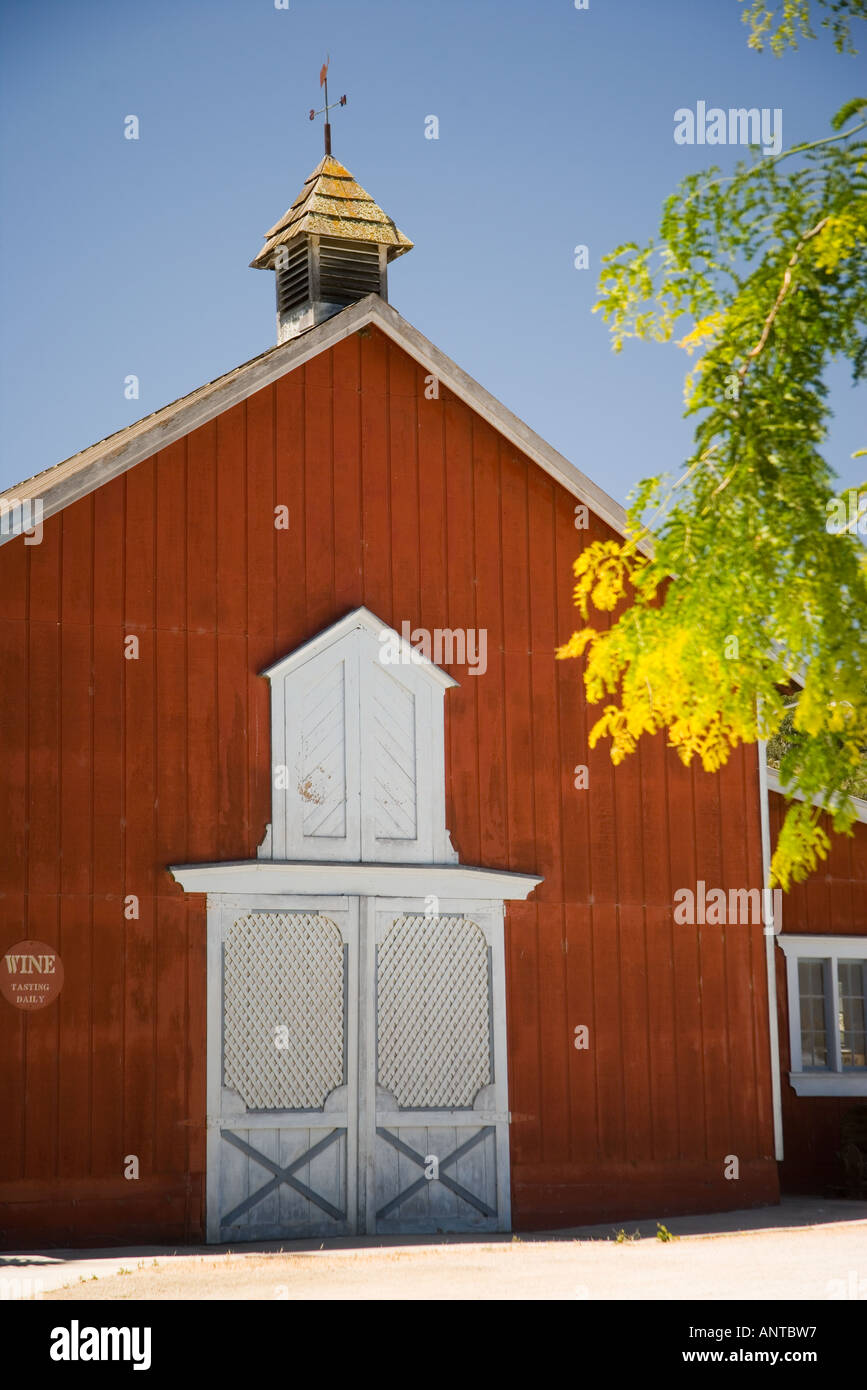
{"x": 293, "y": 279}
{"x": 348, "y": 270}
{"x": 331, "y": 249}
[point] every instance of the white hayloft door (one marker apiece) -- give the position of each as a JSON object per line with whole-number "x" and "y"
{"x": 356, "y": 1004}
{"x": 357, "y": 750}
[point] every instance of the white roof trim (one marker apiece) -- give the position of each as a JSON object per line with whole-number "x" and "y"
{"x": 76, "y": 477}
{"x": 461, "y": 384}
{"x": 775, "y": 785}
{"x": 365, "y": 880}
{"x": 363, "y": 618}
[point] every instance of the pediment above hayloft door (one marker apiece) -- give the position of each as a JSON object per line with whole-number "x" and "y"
{"x": 357, "y": 777}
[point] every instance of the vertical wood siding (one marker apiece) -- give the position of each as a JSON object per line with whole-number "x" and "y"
{"x": 112, "y": 768}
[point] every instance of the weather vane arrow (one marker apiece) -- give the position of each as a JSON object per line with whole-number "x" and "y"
{"x": 323, "y": 82}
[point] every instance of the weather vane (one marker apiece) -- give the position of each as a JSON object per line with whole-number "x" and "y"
{"x": 323, "y": 82}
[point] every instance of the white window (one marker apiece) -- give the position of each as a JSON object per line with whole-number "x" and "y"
{"x": 827, "y": 988}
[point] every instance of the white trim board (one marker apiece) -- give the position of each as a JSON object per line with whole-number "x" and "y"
{"x": 77, "y": 477}
{"x": 770, "y": 959}
{"x": 775, "y": 785}
{"x": 357, "y": 880}
{"x": 847, "y": 947}
{"x": 828, "y": 1083}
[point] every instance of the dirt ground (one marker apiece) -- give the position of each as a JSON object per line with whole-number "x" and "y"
{"x": 822, "y": 1261}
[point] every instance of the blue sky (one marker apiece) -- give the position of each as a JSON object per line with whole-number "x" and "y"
{"x": 556, "y": 128}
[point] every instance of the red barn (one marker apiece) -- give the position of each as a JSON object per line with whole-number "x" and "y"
{"x": 356, "y": 933}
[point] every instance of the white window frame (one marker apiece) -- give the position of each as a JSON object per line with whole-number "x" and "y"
{"x": 833, "y": 1080}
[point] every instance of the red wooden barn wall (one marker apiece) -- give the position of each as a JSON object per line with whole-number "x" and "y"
{"x": 112, "y": 769}
{"x": 831, "y": 902}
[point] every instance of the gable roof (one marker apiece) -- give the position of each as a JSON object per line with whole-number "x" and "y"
{"x": 331, "y": 203}
{"x": 83, "y": 473}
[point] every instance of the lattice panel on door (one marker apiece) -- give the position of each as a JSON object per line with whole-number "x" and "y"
{"x": 433, "y": 1011}
{"x": 283, "y": 971}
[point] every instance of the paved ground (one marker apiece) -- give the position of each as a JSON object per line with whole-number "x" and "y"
{"x": 800, "y": 1250}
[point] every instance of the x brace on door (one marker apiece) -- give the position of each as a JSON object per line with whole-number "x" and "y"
{"x": 446, "y": 1181}
{"x": 281, "y": 1175}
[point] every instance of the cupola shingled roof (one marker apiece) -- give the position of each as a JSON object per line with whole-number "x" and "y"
{"x": 332, "y": 204}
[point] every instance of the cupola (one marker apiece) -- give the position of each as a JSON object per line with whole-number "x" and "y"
{"x": 330, "y": 249}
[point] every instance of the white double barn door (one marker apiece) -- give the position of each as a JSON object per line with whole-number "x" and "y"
{"x": 356, "y": 1067}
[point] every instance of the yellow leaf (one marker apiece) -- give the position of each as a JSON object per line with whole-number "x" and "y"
{"x": 706, "y": 328}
